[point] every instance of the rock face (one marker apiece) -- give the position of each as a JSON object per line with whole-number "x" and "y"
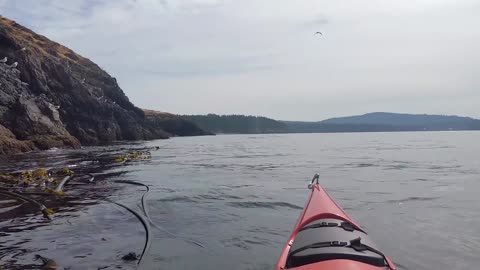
{"x": 9, "y": 143}
{"x": 53, "y": 97}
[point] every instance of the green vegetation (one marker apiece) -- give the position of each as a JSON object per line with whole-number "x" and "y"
{"x": 237, "y": 124}
{"x": 171, "y": 124}
{"x": 370, "y": 122}
{"x": 383, "y": 122}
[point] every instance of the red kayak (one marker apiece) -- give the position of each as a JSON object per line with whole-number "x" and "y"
{"x": 326, "y": 238}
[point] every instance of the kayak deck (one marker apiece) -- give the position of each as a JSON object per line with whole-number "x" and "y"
{"x": 324, "y": 240}
{"x": 325, "y": 237}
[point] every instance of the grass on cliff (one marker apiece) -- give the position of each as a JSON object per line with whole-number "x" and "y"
{"x": 41, "y": 44}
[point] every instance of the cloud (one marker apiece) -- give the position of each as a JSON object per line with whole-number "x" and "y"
{"x": 261, "y": 57}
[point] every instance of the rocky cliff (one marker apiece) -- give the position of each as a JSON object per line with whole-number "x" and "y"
{"x": 52, "y": 97}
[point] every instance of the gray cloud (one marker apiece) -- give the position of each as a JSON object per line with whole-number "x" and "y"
{"x": 261, "y": 57}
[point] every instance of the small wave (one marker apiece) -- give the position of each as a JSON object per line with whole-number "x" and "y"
{"x": 235, "y": 242}
{"x": 261, "y": 242}
{"x": 217, "y": 197}
{"x": 409, "y": 199}
{"x": 439, "y": 167}
{"x": 199, "y": 198}
{"x": 365, "y": 181}
{"x": 208, "y": 197}
{"x": 423, "y": 180}
{"x": 233, "y": 197}
{"x": 269, "y": 205}
{"x": 390, "y": 148}
{"x": 237, "y": 186}
{"x": 248, "y": 156}
{"x": 397, "y": 167}
{"x": 356, "y": 165}
{"x": 379, "y": 193}
{"x": 245, "y": 244}
{"x": 362, "y": 165}
{"x": 267, "y": 230}
{"x": 263, "y": 167}
{"x": 25, "y": 227}
{"x": 177, "y": 199}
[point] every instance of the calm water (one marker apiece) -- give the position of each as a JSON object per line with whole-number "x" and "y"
{"x": 229, "y": 202}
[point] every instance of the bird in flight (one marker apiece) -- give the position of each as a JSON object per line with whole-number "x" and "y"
{"x": 319, "y": 33}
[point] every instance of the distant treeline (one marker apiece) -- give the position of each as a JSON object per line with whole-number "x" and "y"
{"x": 370, "y": 122}
{"x": 319, "y": 127}
{"x": 237, "y": 124}
{"x": 385, "y": 122}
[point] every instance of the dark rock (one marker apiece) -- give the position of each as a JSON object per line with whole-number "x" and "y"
{"x": 130, "y": 257}
{"x": 57, "y": 98}
{"x": 10, "y": 145}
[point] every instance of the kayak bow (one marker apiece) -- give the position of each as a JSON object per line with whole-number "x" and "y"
{"x": 326, "y": 238}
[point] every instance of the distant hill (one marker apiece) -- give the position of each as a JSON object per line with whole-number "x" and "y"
{"x": 370, "y": 122}
{"x": 237, "y": 124}
{"x": 172, "y": 124}
{"x": 382, "y": 121}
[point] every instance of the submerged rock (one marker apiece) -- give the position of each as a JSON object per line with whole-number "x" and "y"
{"x": 132, "y": 256}
{"x": 48, "y": 264}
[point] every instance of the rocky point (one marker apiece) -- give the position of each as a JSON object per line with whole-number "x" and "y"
{"x": 52, "y": 97}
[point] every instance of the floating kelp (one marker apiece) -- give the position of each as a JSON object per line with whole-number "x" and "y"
{"x": 7, "y": 178}
{"x": 45, "y": 211}
{"x": 40, "y": 173}
{"x": 139, "y": 155}
{"x": 121, "y": 159}
{"x": 52, "y": 180}
{"x": 146, "y": 225}
{"x": 59, "y": 188}
{"x": 132, "y": 156}
{"x": 65, "y": 171}
{"x": 88, "y": 178}
{"x": 39, "y": 178}
{"x": 54, "y": 191}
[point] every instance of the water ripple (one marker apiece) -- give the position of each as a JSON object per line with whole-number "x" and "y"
{"x": 269, "y": 205}
{"x": 236, "y": 200}
{"x": 409, "y": 199}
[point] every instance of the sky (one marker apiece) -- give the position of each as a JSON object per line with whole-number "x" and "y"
{"x": 262, "y": 57}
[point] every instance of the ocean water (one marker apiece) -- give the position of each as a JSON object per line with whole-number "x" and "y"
{"x": 230, "y": 201}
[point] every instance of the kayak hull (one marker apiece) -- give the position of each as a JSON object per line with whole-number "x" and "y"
{"x": 321, "y": 207}
{"x": 338, "y": 265}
